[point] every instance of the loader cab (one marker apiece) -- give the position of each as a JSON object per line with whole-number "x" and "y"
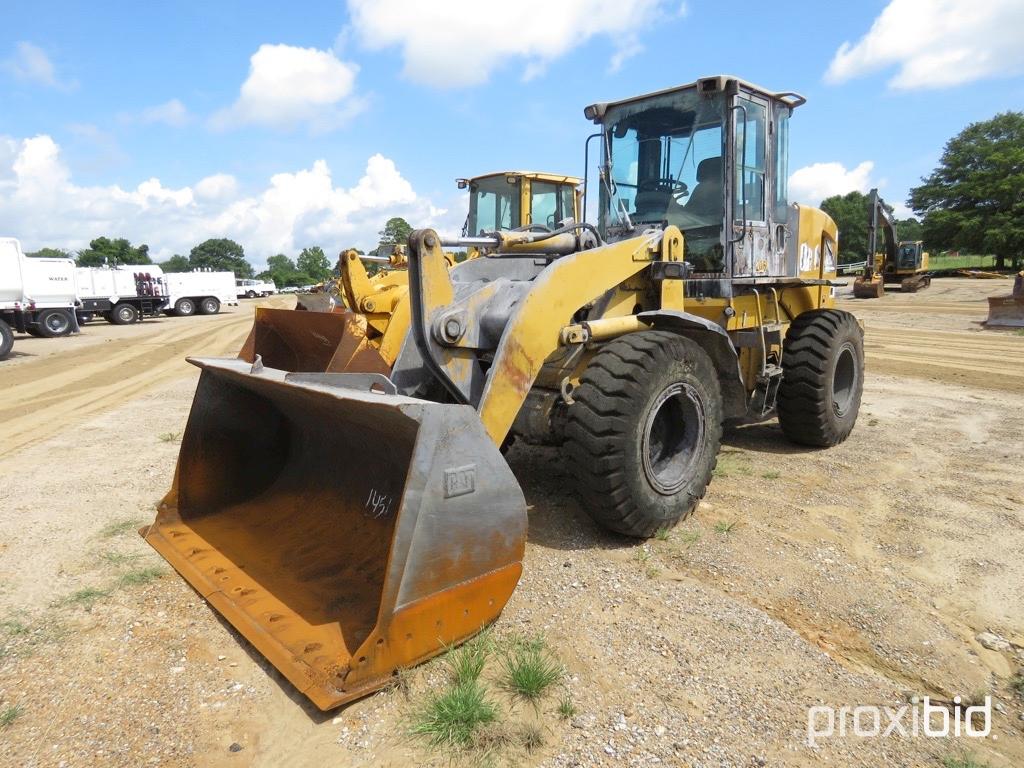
{"x": 711, "y": 158}
{"x": 514, "y": 199}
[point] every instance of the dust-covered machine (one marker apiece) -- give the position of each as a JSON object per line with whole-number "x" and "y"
{"x": 901, "y": 262}
{"x": 343, "y": 498}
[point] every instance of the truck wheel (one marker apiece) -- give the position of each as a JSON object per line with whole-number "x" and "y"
{"x": 250, "y": 294}
{"x": 209, "y": 306}
{"x": 643, "y": 431}
{"x": 184, "y": 307}
{"x": 54, "y": 322}
{"x": 6, "y": 340}
{"x": 85, "y": 317}
{"x": 123, "y": 314}
{"x": 822, "y": 377}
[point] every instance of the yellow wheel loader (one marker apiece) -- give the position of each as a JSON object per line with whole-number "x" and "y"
{"x": 904, "y": 262}
{"x": 350, "y": 521}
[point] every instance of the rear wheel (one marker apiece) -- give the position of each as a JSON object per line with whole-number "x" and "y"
{"x": 643, "y": 433}
{"x": 6, "y": 340}
{"x": 250, "y": 294}
{"x": 822, "y": 377}
{"x": 85, "y": 317}
{"x": 184, "y": 307}
{"x": 123, "y": 314}
{"x": 54, "y": 322}
{"x": 209, "y": 306}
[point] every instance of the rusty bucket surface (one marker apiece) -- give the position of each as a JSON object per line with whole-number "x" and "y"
{"x": 1006, "y": 311}
{"x": 345, "y": 533}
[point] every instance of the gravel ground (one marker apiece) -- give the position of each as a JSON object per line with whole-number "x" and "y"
{"x": 860, "y": 575}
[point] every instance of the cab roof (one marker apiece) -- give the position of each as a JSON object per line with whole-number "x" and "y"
{"x": 555, "y": 178}
{"x": 711, "y": 84}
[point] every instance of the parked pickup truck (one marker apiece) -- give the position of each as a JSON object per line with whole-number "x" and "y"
{"x": 250, "y": 289}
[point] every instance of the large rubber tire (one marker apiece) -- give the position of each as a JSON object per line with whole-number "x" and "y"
{"x": 250, "y": 294}
{"x": 642, "y": 434}
{"x": 822, "y": 377}
{"x": 85, "y": 317}
{"x": 184, "y": 307}
{"x": 6, "y": 340}
{"x": 52, "y": 323}
{"x": 123, "y": 314}
{"x": 209, "y": 306}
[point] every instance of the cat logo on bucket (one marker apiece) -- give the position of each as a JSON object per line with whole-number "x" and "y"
{"x": 458, "y": 481}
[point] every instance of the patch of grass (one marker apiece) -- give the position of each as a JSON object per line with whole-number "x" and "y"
{"x": 466, "y": 662}
{"x": 170, "y": 437}
{"x": 691, "y": 537}
{"x": 662, "y": 534}
{"x": 119, "y": 558}
{"x": 452, "y": 717}
{"x": 964, "y": 761}
{"x": 140, "y": 576}
{"x": 532, "y": 737}
{"x": 529, "y": 672}
{"x": 726, "y": 527}
{"x": 1017, "y": 683}
{"x": 566, "y": 707}
{"x": 9, "y": 714}
{"x": 1019, "y": 332}
{"x": 120, "y": 529}
{"x": 642, "y": 555}
{"x": 13, "y": 627}
{"x": 85, "y": 598}
{"x": 773, "y": 475}
{"x": 731, "y": 464}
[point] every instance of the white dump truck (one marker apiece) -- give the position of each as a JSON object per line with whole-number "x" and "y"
{"x": 200, "y": 291}
{"x": 120, "y": 295}
{"x": 37, "y": 296}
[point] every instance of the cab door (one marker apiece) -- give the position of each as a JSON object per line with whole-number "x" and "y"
{"x": 751, "y": 241}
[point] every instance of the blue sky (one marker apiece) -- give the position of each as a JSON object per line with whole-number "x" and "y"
{"x": 288, "y": 126}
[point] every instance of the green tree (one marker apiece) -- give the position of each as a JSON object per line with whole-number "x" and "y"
{"x": 396, "y": 231}
{"x": 850, "y": 213}
{"x": 51, "y": 253}
{"x": 909, "y": 229}
{"x": 177, "y": 263}
{"x": 220, "y": 254}
{"x": 103, "y": 250}
{"x": 313, "y": 261}
{"x": 974, "y": 199}
{"x": 283, "y": 272}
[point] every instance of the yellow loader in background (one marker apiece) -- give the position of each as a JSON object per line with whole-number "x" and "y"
{"x": 350, "y": 522}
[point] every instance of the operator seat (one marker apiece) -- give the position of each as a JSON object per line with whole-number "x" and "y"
{"x": 706, "y": 198}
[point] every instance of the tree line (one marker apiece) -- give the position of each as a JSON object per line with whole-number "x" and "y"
{"x": 972, "y": 201}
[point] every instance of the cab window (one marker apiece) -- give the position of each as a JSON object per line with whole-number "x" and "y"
{"x": 544, "y": 204}
{"x": 750, "y": 160}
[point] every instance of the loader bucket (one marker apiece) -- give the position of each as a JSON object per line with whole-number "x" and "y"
{"x": 296, "y": 341}
{"x": 864, "y": 288}
{"x": 1006, "y": 311}
{"x": 345, "y": 533}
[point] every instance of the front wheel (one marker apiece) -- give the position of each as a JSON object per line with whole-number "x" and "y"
{"x": 643, "y": 432}
{"x": 822, "y": 377}
{"x": 250, "y": 294}
{"x": 123, "y": 314}
{"x": 185, "y": 307}
{"x": 54, "y": 322}
{"x": 209, "y": 306}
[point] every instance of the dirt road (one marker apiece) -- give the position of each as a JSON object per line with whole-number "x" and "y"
{"x": 859, "y": 575}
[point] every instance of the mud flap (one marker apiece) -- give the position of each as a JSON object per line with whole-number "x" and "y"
{"x": 345, "y": 533}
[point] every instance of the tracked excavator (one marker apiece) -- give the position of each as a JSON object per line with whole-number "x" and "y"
{"x": 352, "y": 515}
{"x": 904, "y": 262}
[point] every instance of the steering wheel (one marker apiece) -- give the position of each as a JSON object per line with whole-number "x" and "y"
{"x": 675, "y": 187}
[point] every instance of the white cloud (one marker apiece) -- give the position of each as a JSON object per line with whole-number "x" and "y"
{"x": 41, "y": 204}
{"x": 172, "y": 113}
{"x": 937, "y": 43}
{"x": 289, "y": 86}
{"x": 813, "y": 183}
{"x": 461, "y": 42}
{"x": 31, "y": 64}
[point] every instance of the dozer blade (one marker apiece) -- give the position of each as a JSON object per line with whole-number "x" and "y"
{"x": 344, "y": 533}
{"x": 868, "y": 289}
{"x": 312, "y": 342}
{"x": 1006, "y": 311}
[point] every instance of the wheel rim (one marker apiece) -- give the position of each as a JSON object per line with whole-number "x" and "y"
{"x": 56, "y": 323}
{"x": 673, "y": 438}
{"x": 209, "y": 306}
{"x": 125, "y": 314}
{"x": 844, "y": 380}
{"x": 185, "y": 307}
